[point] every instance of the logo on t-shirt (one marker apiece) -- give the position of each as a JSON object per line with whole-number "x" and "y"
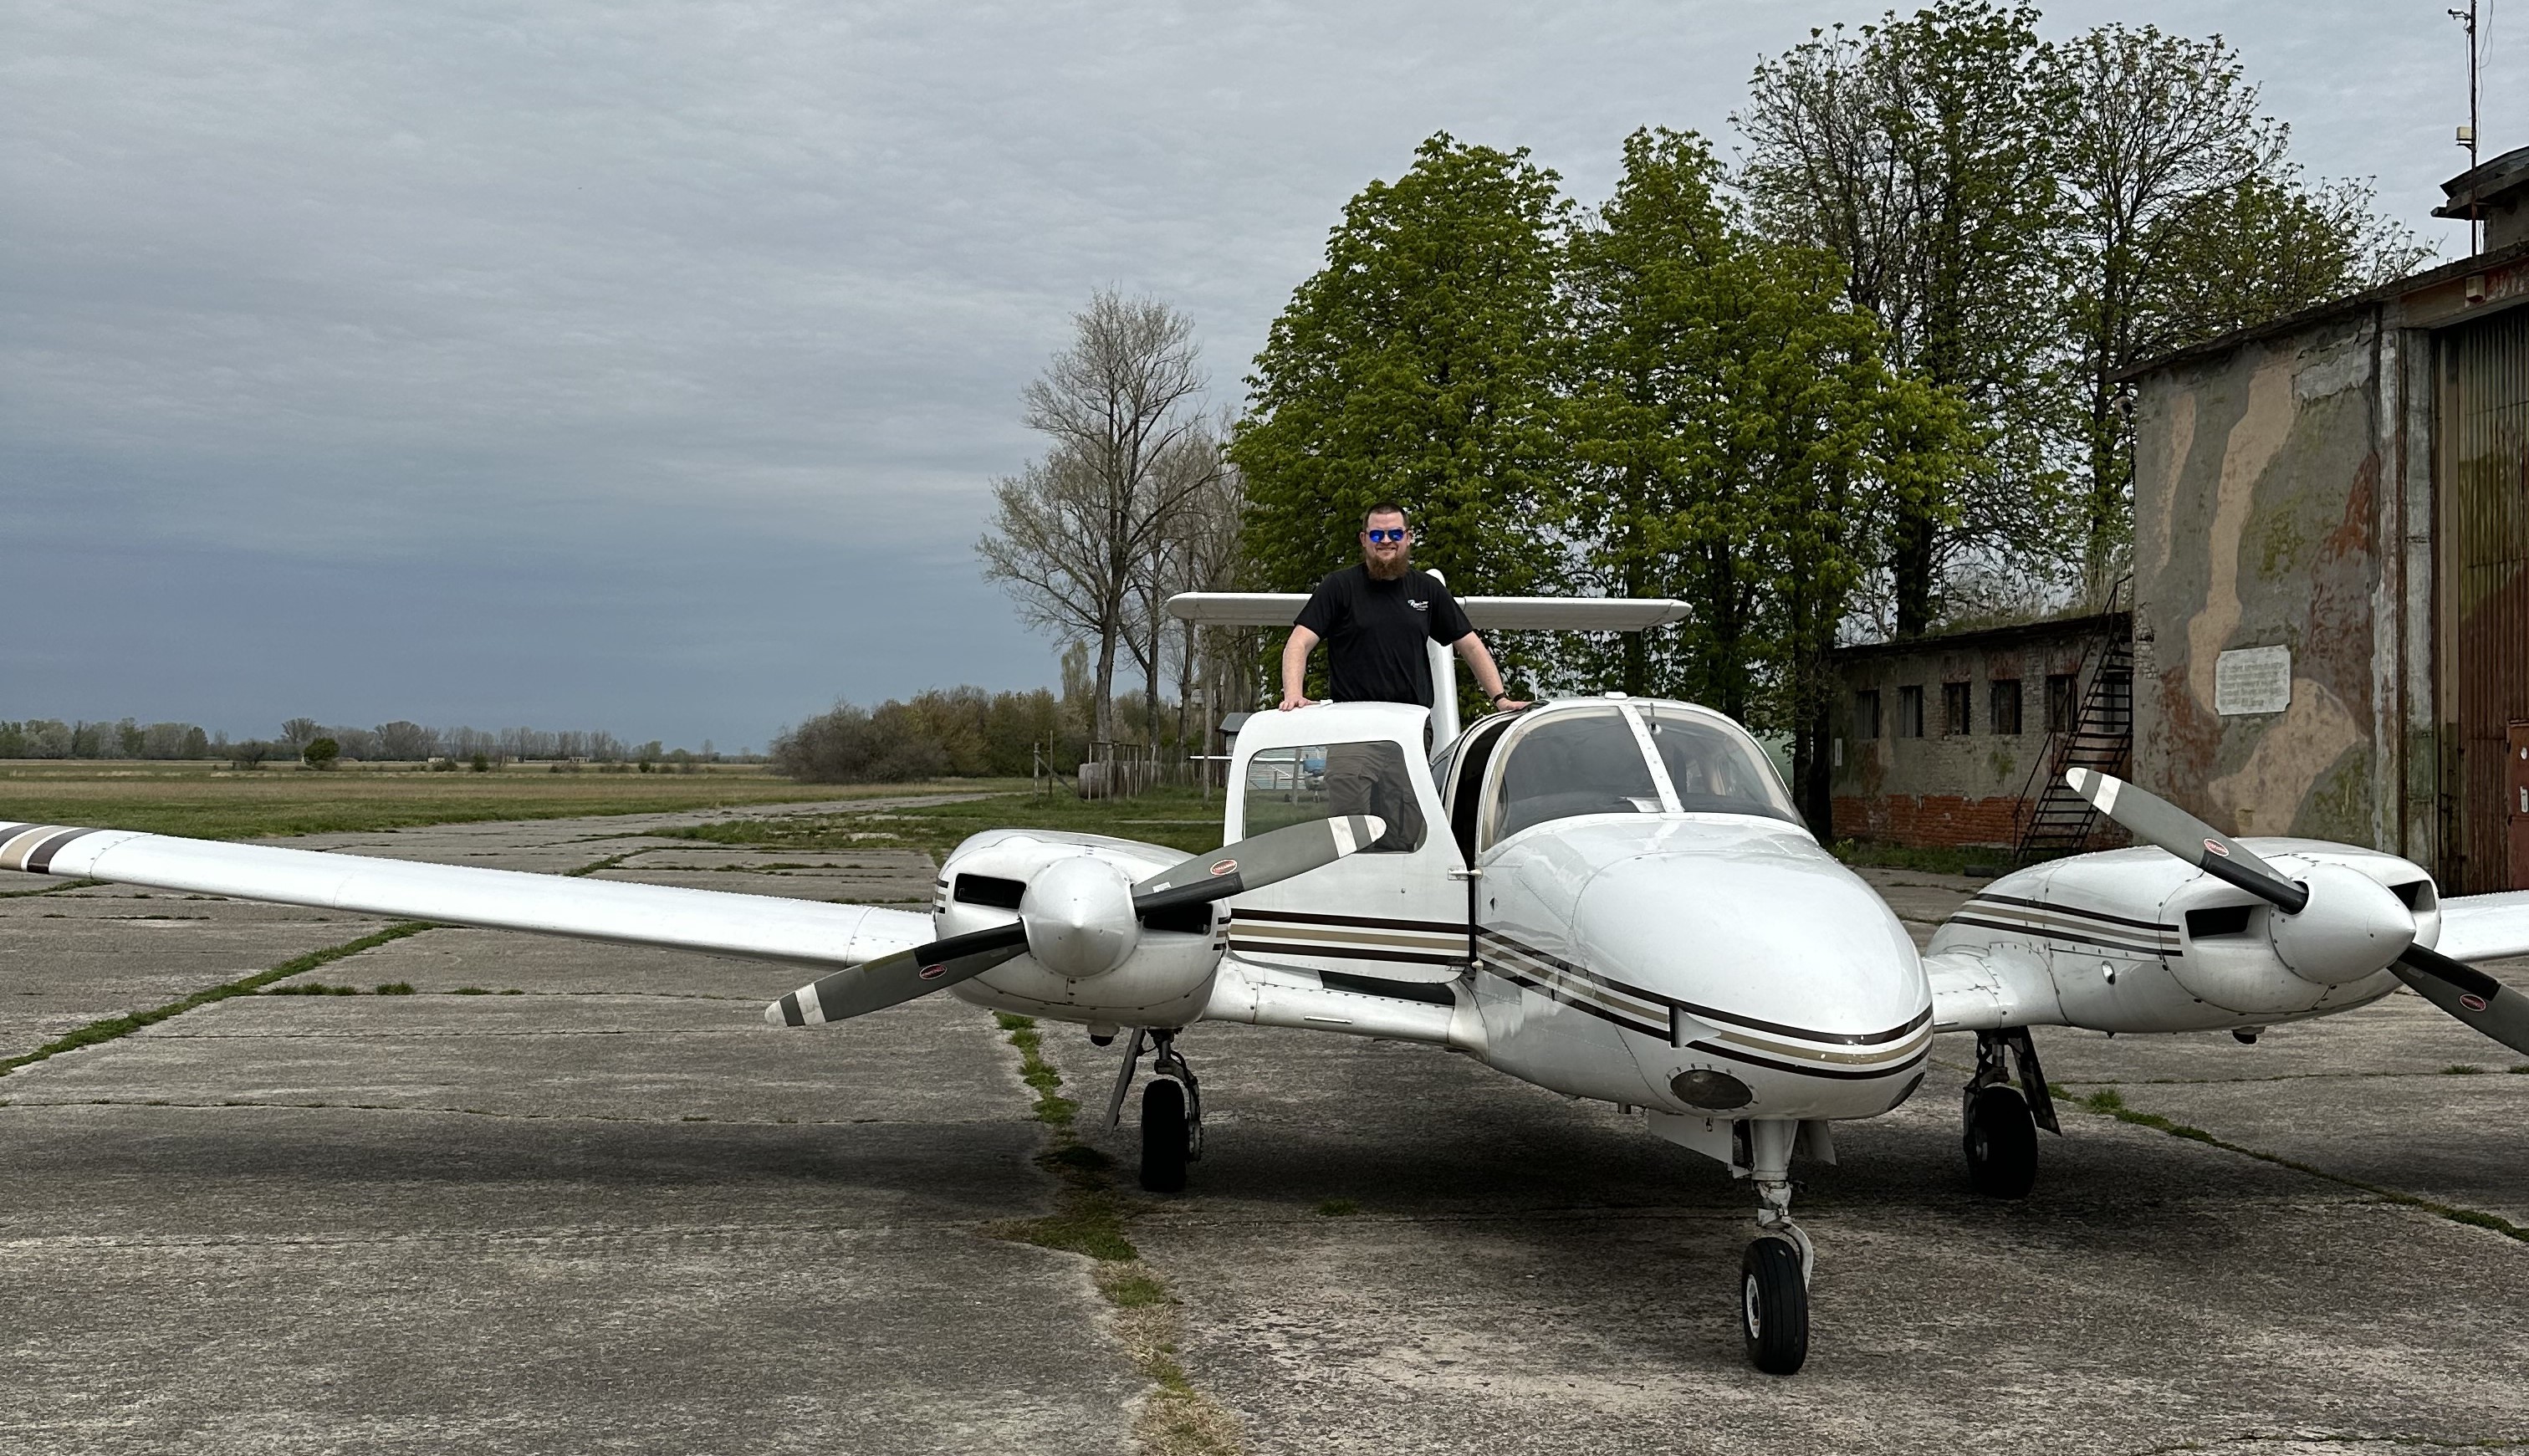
{"x": 1418, "y": 606}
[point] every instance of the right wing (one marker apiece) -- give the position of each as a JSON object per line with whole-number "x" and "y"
{"x": 754, "y": 926}
{"x": 2485, "y": 927}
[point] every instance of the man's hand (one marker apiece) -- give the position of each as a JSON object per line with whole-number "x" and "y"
{"x": 1291, "y": 700}
{"x": 1510, "y": 705}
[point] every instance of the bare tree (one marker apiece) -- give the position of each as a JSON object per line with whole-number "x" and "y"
{"x": 1073, "y": 533}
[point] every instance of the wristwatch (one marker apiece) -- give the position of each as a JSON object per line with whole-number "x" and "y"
{"x": 1497, "y": 697}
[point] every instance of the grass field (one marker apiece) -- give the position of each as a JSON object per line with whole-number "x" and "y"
{"x": 212, "y": 801}
{"x": 1179, "y": 818}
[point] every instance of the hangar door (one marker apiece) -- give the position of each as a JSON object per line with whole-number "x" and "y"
{"x": 2481, "y": 602}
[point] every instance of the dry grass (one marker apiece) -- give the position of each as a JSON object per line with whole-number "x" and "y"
{"x": 212, "y": 801}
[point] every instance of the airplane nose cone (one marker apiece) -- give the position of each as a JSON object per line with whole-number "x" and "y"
{"x": 2352, "y": 928}
{"x": 1079, "y": 917}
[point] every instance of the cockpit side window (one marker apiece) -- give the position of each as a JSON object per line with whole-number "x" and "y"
{"x": 1573, "y": 763}
{"x": 1286, "y": 786}
{"x": 1716, "y": 769}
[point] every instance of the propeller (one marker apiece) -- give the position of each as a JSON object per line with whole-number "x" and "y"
{"x": 2454, "y": 985}
{"x": 1079, "y": 917}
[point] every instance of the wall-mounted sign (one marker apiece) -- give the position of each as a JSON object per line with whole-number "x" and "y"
{"x": 2252, "y": 680}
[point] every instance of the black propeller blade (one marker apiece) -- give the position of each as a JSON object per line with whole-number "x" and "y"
{"x": 1233, "y": 869}
{"x": 2156, "y": 821}
{"x": 2454, "y": 985}
{"x": 2469, "y": 993}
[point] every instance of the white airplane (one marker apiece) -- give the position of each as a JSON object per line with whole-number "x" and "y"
{"x": 1610, "y": 898}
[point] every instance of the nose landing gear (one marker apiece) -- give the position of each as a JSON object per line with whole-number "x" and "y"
{"x": 1774, "y": 1272}
{"x": 1172, "y": 1111}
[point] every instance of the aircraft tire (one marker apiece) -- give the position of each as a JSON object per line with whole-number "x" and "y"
{"x": 2001, "y": 1143}
{"x": 1163, "y": 1136}
{"x": 1774, "y": 1307}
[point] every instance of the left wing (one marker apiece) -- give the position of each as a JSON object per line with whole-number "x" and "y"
{"x": 1984, "y": 987}
{"x": 754, "y": 926}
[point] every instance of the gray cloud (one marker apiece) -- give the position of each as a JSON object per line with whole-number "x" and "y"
{"x": 645, "y": 366}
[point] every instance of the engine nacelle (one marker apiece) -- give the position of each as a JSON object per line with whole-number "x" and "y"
{"x": 1161, "y": 976}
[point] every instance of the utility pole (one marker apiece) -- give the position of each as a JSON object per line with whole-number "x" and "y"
{"x": 2467, "y": 134}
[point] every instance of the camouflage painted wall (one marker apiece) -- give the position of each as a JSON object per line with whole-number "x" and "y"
{"x": 2257, "y": 522}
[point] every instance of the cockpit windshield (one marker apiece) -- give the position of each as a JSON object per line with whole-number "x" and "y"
{"x": 1714, "y": 766}
{"x": 1586, "y": 762}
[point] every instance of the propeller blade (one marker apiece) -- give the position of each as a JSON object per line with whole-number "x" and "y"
{"x": 874, "y": 986}
{"x": 1256, "y": 862}
{"x": 2469, "y": 993}
{"x": 2156, "y": 821}
{"x": 1249, "y": 864}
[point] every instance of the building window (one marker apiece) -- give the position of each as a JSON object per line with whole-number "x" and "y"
{"x": 1953, "y": 708}
{"x": 2062, "y": 706}
{"x": 2005, "y": 717}
{"x": 1909, "y": 712}
{"x": 1865, "y": 714}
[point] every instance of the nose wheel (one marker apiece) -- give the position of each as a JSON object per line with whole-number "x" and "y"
{"x": 1172, "y": 1111}
{"x": 1774, "y": 1272}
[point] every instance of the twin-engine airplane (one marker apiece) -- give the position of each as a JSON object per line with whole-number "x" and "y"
{"x": 1610, "y": 898}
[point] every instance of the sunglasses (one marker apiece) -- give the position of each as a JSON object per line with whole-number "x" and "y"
{"x": 1382, "y": 538}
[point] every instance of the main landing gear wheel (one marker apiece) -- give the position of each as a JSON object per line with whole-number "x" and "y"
{"x": 2001, "y": 1143}
{"x": 1774, "y": 1306}
{"x": 1163, "y": 1136}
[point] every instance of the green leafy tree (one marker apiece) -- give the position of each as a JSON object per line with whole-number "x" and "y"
{"x": 1917, "y": 151}
{"x": 321, "y": 753}
{"x": 1418, "y": 365}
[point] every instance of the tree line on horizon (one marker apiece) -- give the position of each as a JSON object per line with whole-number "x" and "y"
{"x": 399, "y": 741}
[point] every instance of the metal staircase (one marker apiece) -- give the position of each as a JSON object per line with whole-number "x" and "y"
{"x": 2054, "y": 820}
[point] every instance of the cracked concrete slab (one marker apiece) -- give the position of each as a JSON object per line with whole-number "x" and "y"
{"x": 617, "y": 1212}
{"x": 494, "y": 1227}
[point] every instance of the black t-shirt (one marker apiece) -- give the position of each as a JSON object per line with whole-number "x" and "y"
{"x": 1374, "y": 631}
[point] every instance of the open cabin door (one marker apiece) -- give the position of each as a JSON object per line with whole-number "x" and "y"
{"x": 1393, "y": 912}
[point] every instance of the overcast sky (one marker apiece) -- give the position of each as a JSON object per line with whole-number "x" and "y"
{"x": 645, "y": 367}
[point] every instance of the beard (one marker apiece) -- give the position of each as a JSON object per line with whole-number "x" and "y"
{"x": 1388, "y": 571}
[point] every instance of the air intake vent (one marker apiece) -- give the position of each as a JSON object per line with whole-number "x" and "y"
{"x": 990, "y": 889}
{"x": 2416, "y": 894}
{"x": 2221, "y": 920}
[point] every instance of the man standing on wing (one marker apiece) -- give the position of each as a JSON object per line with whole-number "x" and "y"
{"x": 1375, "y": 619}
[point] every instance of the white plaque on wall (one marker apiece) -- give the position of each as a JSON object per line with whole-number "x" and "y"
{"x": 2252, "y": 680}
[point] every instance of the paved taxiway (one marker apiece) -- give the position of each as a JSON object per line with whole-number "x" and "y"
{"x": 616, "y": 1212}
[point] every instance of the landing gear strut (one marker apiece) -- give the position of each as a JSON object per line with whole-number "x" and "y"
{"x": 1774, "y": 1272}
{"x": 1172, "y": 1111}
{"x": 2000, "y": 1123}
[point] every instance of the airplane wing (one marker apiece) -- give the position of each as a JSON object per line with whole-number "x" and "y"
{"x": 1984, "y": 987}
{"x": 753, "y": 926}
{"x": 2485, "y": 927}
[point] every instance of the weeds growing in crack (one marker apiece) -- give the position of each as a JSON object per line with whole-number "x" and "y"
{"x": 114, "y": 1027}
{"x": 1090, "y": 1218}
{"x": 2108, "y": 1102}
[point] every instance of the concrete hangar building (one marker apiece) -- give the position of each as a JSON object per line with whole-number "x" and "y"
{"x": 2328, "y": 631}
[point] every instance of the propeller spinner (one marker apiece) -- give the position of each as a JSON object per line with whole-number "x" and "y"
{"x": 1078, "y": 918}
{"x": 2328, "y": 918}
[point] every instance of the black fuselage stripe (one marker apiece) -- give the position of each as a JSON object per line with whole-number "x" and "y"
{"x": 1576, "y": 1004}
{"x": 1360, "y": 922}
{"x": 40, "y": 860}
{"x": 2046, "y": 933}
{"x": 1840, "y": 1074}
{"x": 1714, "y": 1015}
{"x": 2030, "y": 904}
{"x": 1341, "y": 952}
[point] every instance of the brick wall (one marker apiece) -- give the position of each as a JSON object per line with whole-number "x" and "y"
{"x": 1928, "y": 819}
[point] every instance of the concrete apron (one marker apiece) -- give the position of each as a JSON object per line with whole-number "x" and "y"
{"x": 615, "y": 1213}
{"x": 1387, "y": 1248}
